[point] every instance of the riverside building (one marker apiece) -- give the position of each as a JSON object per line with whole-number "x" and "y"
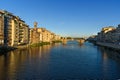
{"x": 109, "y": 34}
{"x": 38, "y": 35}
{"x": 13, "y": 30}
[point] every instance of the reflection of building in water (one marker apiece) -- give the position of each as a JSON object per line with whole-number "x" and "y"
{"x": 12, "y": 63}
{"x": 105, "y": 57}
{"x": 107, "y": 53}
{"x": 41, "y": 51}
{"x": 3, "y": 69}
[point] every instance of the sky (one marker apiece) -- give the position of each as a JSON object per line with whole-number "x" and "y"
{"x": 75, "y": 18}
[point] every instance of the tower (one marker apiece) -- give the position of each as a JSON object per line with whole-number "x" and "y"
{"x": 35, "y": 24}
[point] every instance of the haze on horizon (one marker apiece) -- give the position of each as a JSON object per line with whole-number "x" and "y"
{"x": 75, "y": 18}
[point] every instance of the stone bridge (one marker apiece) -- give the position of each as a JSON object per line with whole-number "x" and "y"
{"x": 80, "y": 40}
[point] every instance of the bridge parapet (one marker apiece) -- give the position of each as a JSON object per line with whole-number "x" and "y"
{"x": 80, "y": 40}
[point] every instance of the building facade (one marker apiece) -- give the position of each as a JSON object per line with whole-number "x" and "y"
{"x": 13, "y": 30}
{"x": 109, "y": 34}
{"x": 34, "y": 34}
{"x": 38, "y": 35}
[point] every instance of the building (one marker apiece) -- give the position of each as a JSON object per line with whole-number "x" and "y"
{"x": 107, "y": 29}
{"x": 105, "y": 33}
{"x": 34, "y": 34}
{"x": 57, "y": 37}
{"x": 13, "y": 30}
{"x": 1, "y": 28}
{"x": 46, "y": 35}
{"x": 38, "y": 35}
{"x": 23, "y": 32}
{"x": 109, "y": 34}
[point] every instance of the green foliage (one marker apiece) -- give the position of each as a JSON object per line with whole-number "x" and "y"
{"x": 39, "y": 44}
{"x": 57, "y": 41}
{"x": 69, "y": 37}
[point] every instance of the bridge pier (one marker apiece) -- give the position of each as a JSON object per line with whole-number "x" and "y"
{"x": 64, "y": 41}
{"x": 81, "y": 41}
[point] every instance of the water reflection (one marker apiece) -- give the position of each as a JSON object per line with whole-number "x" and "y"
{"x": 70, "y": 61}
{"x": 15, "y": 62}
{"x": 110, "y": 62}
{"x": 109, "y": 53}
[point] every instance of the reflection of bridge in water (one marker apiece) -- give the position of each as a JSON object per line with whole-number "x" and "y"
{"x": 80, "y": 40}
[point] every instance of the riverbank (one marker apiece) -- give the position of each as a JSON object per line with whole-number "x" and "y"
{"x": 109, "y": 45}
{"x": 44, "y": 43}
{"x": 39, "y": 44}
{"x": 4, "y": 49}
{"x": 112, "y": 46}
{"x": 57, "y": 41}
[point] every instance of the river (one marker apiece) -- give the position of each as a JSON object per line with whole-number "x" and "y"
{"x": 60, "y": 62}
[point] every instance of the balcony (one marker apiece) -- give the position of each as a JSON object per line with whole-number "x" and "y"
{"x": 20, "y": 30}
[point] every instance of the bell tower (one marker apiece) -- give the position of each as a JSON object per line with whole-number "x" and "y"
{"x": 35, "y": 24}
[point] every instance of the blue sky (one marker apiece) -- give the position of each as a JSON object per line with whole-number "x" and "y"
{"x": 74, "y": 18}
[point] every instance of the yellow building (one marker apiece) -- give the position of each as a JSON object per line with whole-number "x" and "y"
{"x": 23, "y": 32}
{"x": 34, "y": 34}
{"x": 38, "y": 35}
{"x": 1, "y": 29}
{"x": 107, "y": 29}
{"x": 13, "y": 30}
{"x": 57, "y": 37}
{"x": 46, "y": 35}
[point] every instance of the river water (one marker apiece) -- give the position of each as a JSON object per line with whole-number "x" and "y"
{"x": 61, "y": 62}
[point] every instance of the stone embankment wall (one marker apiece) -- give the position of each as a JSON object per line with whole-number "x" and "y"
{"x": 109, "y": 45}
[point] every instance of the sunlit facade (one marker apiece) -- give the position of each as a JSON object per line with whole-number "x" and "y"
{"x": 38, "y": 35}
{"x": 13, "y": 30}
{"x": 109, "y": 34}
